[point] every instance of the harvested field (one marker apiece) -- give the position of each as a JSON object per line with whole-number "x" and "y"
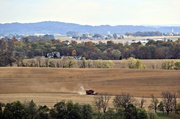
{"x": 49, "y": 85}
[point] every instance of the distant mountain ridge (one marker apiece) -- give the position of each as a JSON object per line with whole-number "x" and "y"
{"x": 50, "y": 27}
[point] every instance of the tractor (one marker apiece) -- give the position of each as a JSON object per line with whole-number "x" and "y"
{"x": 90, "y": 92}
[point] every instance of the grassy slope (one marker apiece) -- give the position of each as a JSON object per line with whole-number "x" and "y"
{"x": 165, "y": 116}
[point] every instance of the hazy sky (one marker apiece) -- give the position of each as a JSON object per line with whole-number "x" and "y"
{"x": 92, "y": 12}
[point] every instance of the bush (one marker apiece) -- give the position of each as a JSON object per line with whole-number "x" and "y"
{"x": 168, "y": 65}
{"x": 152, "y": 115}
{"x": 135, "y": 64}
{"x": 177, "y": 65}
{"x": 141, "y": 114}
{"x": 110, "y": 114}
{"x": 104, "y": 64}
{"x": 51, "y": 64}
{"x": 177, "y": 110}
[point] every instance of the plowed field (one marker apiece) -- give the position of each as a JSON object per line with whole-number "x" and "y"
{"x": 49, "y": 85}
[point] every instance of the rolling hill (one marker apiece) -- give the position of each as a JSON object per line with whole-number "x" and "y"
{"x": 50, "y": 27}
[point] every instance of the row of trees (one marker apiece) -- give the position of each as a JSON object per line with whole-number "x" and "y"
{"x": 66, "y": 62}
{"x": 171, "y": 65}
{"x": 152, "y": 33}
{"x": 125, "y": 107}
{"x": 89, "y": 50}
{"x": 65, "y": 110}
{"x": 124, "y": 101}
{"x": 69, "y": 62}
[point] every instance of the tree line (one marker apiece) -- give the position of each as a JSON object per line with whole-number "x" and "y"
{"x": 148, "y": 33}
{"x": 13, "y": 49}
{"x": 125, "y": 107}
{"x": 69, "y": 62}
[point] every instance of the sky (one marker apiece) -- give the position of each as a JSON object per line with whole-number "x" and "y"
{"x": 92, "y": 12}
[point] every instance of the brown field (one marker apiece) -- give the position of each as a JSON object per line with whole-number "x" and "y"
{"x": 49, "y": 85}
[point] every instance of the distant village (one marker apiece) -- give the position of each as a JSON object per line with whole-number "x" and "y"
{"x": 72, "y": 35}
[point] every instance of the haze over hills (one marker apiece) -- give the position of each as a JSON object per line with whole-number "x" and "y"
{"x": 51, "y": 27}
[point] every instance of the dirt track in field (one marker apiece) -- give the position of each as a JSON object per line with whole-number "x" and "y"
{"x": 49, "y": 85}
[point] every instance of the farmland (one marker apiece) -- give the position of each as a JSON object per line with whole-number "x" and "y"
{"x": 49, "y": 85}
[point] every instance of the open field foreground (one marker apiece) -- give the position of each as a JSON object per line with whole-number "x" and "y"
{"x": 49, "y": 85}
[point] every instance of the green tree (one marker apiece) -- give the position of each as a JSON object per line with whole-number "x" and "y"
{"x": 43, "y": 112}
{"x": 110, "y": 114}
{"x": 120, "y": 113}
{"x": 59, "y": 110}
{"x": 1, "y": 110}
{"x": 130, "y": 112}
{"x": 141, "y": 114}
{"x": 14, "y": 110}
{"x": 31, "y": 110}
{"x": 73, "y": 111}
{"x": 87, "y": 111}
{"x": 115, "y": 54}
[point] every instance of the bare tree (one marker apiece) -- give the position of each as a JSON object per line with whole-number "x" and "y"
{"x": 89, "y": 64}
{"x": 97, "y": 103}
{"x": 39, "y": 60}
{"x": 63, "y": 62}
{"x": 82, "y": 63}
{"x": 47, "y": 62}
{"x": 71, "y": 63}
{"x": 169, "y": 101}
{"x": 142, "y": 102}
{"x": 154, "y": 103}
{"x": 32, "y": 63}
{"x": 123, "y": 100}
{"x": 101, "y": 102}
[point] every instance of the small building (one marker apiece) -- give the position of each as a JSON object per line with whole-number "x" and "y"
{"x": 53, "y": 55}
{"x": 66, "y": 42}
{"x": 77, "y": 57}
{"x": 143, "y": 42}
